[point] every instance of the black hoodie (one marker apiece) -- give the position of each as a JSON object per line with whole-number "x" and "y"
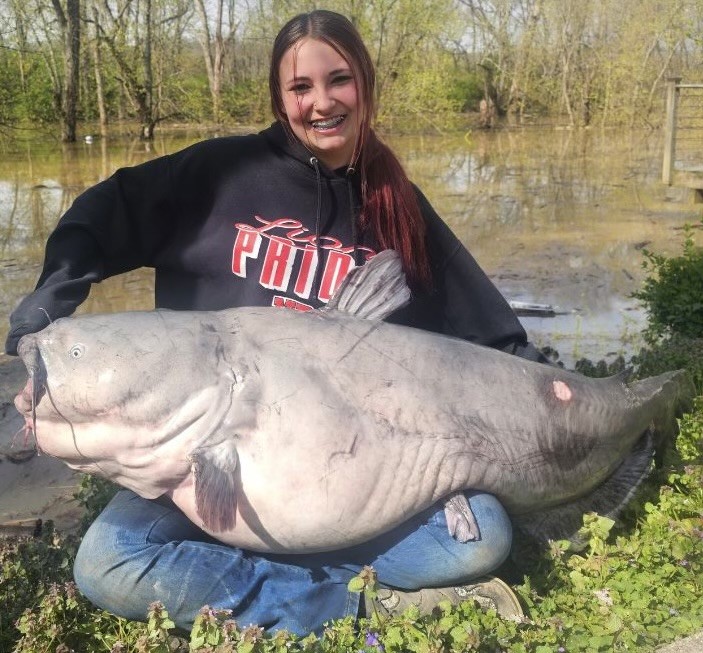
{"x": 248, "y": 221}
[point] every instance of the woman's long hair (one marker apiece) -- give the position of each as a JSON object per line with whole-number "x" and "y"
{"x": 389, "y": 203}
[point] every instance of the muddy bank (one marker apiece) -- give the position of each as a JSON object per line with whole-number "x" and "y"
{"x": 31, "y": 485}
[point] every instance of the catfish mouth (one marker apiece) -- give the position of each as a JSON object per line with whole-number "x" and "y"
{"x": 29, "y": 397}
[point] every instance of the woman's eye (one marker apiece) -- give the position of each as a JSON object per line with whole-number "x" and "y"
{"x": 76, "y": 351}
{"x": 342, "y": 79}
{"x": 299, "y": 88}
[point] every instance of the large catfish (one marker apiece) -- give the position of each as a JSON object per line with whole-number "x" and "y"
{"x": 280, "y": 430}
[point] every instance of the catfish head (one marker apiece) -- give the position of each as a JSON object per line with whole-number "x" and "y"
{"x": 127, "y": 369}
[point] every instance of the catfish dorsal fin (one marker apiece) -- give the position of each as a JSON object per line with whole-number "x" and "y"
{"x": 214, "y": 469}
{"x": 373, "y": 291}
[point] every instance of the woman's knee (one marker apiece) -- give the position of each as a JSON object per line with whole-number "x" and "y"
{"x": 118, "y": 548}
{"x": 99, "y": 569}
{"x": 496, "y": 531}
{"x": 424, "y": 554}
{"x": 459, "y": 562}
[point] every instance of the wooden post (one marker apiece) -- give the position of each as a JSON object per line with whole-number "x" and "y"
{"x": 672, "y": 96}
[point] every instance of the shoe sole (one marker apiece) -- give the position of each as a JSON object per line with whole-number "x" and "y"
{"x": 496, "y": 594}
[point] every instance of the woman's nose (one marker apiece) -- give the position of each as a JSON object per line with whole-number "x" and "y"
{"x": 324, "y": 102}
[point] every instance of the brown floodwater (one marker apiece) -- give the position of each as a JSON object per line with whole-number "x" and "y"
{"x": 557, "y": 217}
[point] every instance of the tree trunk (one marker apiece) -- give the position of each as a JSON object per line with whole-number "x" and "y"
{"x": 70, "y": 23}
{"x": 72, "y": 80}
{"x": 517, "y": 93}
{"x": 147, "y": 107}
{"x": 214, "y": 55}
{"x": 97, "y": 66}
{"x": 21, "y": 48}
{"x": 140, "y": 95}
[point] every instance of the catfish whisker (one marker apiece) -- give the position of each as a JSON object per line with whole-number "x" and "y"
{"x": 25, "y": 430}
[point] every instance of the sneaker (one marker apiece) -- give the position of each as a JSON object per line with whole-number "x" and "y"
{"x": 489, "y": 592}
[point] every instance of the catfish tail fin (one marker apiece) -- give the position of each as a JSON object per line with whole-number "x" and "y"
{"x": 672, "y": 394}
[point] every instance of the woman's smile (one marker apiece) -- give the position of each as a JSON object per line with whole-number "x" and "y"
{"x": 325, "y": 125}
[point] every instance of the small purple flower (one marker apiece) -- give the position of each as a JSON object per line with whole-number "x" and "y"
{"x": 673, "y": 612}
{"x": 372, "y": 640}
{"x": 561, "y": 649}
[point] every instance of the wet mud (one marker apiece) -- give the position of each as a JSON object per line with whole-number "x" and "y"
{"x": 32, "y": 485}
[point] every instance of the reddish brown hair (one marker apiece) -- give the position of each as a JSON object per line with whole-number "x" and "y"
{"x": 389, "y": 203}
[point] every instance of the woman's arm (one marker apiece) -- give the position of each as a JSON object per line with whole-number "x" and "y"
{"x": 113, "y": 227}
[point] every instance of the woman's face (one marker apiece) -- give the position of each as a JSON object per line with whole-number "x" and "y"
{"x": 320, "y": 100}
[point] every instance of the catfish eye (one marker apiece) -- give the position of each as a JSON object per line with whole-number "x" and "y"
{"x": 76, "y": 351}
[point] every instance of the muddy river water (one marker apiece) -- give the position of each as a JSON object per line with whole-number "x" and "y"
{"x": 554, "y": 216}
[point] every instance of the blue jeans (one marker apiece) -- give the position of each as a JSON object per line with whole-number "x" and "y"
{"x": 140, "y": 551}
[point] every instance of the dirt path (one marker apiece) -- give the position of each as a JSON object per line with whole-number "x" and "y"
{"x": 31, "y": 486}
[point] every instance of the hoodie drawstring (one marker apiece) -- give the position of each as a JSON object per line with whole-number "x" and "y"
{"x": 318, "y": 222}
{"x": 318, "y": 219}
{"x": 353, "y": 217}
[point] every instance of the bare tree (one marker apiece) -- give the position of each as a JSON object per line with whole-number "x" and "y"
{"x": 96, "y": 54}
{"x": 521, "y": 72}
{"x": 493, "y": 29}
{"x": 68, "y": 18}
{"x": 128, "y": 27}
{"x": 216, "y": 47}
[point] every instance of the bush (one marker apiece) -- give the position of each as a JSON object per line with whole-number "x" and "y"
{"x": 93, "y": 495}
{"x": 672, "y": 293}
{"x": 247, "y": 101}
{"x": 466, "y": 91}
{"x": 601, "y": 368}
{"x": 673, "y": 353}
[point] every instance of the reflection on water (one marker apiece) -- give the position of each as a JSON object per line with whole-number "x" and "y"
{"x": 556, "y": 217}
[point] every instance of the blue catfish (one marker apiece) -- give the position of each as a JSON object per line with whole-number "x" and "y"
{"x": 285, "y": 431}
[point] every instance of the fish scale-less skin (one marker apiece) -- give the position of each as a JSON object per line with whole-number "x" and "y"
{"x": 335, "y": 428}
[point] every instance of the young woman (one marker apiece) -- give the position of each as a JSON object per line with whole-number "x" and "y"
{"x": 276, "y": 218}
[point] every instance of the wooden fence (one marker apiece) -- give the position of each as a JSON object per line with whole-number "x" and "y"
{"x": 683, "y": 137}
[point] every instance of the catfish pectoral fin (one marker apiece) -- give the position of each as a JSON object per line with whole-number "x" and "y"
{"x": 214, "y": 469}
{"x": 461, "y": 522}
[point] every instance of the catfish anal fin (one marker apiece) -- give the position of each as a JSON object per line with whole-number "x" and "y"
{"x": 563, "y": 522}
{"x": 214, "y": 470}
